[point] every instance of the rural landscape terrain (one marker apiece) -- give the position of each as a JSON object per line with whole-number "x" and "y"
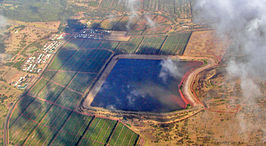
{"x": 132, "y": 72}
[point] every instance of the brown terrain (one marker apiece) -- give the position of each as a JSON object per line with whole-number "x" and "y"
{"x": 23, "y": 40}
{"x": 226, "y": 118}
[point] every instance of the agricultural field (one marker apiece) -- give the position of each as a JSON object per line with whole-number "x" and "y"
{"x": 136, "y": 25}
{"x": 175, "y": 44}
{"x": 123, "y": 135}
{"x": 173, "y": 8}
{"x": 151, "y": 45}
{"x": 34, "y": 10}
{"x": 131, "y": 46}
{"x": 112, "y": 45}
{"x": 52, "y": 124}
{"x": 47, "y": 114}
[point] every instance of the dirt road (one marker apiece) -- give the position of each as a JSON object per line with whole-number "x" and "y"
{"x": 187, "y": 86}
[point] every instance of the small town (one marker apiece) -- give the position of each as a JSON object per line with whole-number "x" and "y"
{"x": 36, "y": 63}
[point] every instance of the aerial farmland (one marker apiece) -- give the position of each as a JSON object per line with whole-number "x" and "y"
{"x": 130, "y": 72}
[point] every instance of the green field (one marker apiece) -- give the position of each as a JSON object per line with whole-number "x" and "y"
{"x": 38, "y": 87}
{"x": 122, "y": 135}
{"x": 98, "y": 132}
{"x": 92, "y": 44}
{"x": 48, "y": 127}
{"x": 151, "y": 45}
{"x": 46, "y": 115}
{"x": 72, "y": 130}
{"x": 109, "y": 45}
{"x": 50, "y": 92}
{"x": 130, "y": 46}
{"x": 62, "y": 56}
{"x": 69, "y": 99}
{"x": 175, "y": 44}
{"x": 82, "y": 81}
{"x": 27, "y": 120}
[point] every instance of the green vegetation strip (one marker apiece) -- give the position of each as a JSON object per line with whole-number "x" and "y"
{"x": 175, "y": 44}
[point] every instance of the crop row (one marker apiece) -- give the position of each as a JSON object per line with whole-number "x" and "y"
{"x": 98, "y": 132}
{"x": 50, "y": 92}
{"x": 175, "y": 43}
{"x": 58, "y": 126}
{"x": 82, "y": 81}
{"x": 68, "y": 99}
{"x": 48, "y": 127}
{"x": 130, "y": 46}
{"x": 27, "y": 120}
{"x": 41, "y": 122}
{"x": 72, "y": 130}
{"x": 151, "y": 45}
{"x": 123, "y": 136}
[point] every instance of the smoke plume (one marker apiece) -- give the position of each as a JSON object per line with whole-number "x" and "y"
{"x": 244, "y": 23}
{"x": 133, "y": 6}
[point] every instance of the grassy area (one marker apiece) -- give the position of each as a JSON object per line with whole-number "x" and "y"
{"x": 21, "y": 106}
{"x": 36, "y": 10}
{"x": 63, "y": 78}
{"x": 50, "y": 92}
{"x": 82, "y": 81}
{"x": 173, "y": 8}
{"x": 20, "y": 130}
{"x": 76, "y": 61}
{"x": 62, "y": 56}
{"x": 49, "y": 74}
{"x": 95, "y": 61}
{"x": 151, "y": 45}
{"x": 69, "y": 99}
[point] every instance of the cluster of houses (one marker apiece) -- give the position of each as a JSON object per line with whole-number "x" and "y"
{"x": 34, "y": 63}
{"x": 22, "y": 83}
{"x": 92, "y": 34}
{"x": 37, "y": 61}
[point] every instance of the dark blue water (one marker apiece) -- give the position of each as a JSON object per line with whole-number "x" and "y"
{"x": 136, "y": 85}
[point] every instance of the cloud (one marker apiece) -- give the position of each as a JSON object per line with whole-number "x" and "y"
{"x": 3, "y": 22}
{"x": 244, "y": 23}
{"x": 169, "y": 68}
{"x": 133, "y": 6}
{"x": 150, "y": 22}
